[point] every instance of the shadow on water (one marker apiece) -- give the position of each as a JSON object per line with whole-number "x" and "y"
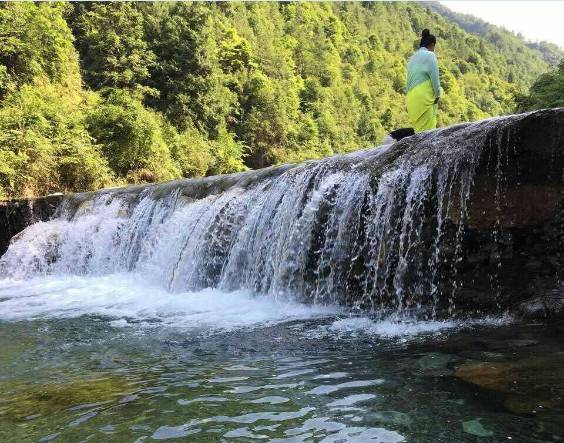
{"x": 84, "y": 379}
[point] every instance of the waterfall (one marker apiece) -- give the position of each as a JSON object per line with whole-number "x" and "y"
{"x": 380, "y": 229}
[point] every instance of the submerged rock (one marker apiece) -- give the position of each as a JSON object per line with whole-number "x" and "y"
{"x": 436, "y": 363}
{"x": 393, "y": 417}
{"x": 474, "y": 427}
{"x": 527, "y": 386}
{"x": 487, "y": 375}
{"x": 23, "y": 402}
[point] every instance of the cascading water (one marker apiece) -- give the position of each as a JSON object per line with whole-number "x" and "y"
{"x": 365, "y": 228}
{"x": 383, "y": 229}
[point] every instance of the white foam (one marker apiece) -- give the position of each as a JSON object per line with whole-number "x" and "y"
{"x": 128, "y": 300}
{"x": 390, "y": 328}
{"x": 404, "y": 327}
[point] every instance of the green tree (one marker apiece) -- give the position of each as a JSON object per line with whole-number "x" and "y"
{"x": 268, "y": 126}
{"x": 36, "y": 41}
{"x": 546, "y": 92}
{"x": 113, "y": 50}
{"x": 132, "y": 138}
{"x": 187, "y": 74}
{"x": 44, "y": 145}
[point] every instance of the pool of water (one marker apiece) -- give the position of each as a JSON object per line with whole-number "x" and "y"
{"x": 104, "y": 359}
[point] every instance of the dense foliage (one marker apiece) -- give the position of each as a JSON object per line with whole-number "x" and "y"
{"x": 93, "y": 94}
{"x": 546, "y": 92}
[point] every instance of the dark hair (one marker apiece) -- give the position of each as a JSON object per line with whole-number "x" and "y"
{"x": 427, "y": 39}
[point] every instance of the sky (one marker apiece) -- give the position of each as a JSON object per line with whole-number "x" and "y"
{"x": 536, "y": 20}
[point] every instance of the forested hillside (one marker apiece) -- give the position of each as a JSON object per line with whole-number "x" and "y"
{"x": 524, "y": 54}
{"x": 546, "y": 92}
{"x": 98, "y": 94}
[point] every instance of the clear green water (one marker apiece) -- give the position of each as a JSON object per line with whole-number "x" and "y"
{"x": 82, "y": 379}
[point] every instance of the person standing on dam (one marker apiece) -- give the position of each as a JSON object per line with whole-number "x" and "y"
{"x": 423, "y": 86}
